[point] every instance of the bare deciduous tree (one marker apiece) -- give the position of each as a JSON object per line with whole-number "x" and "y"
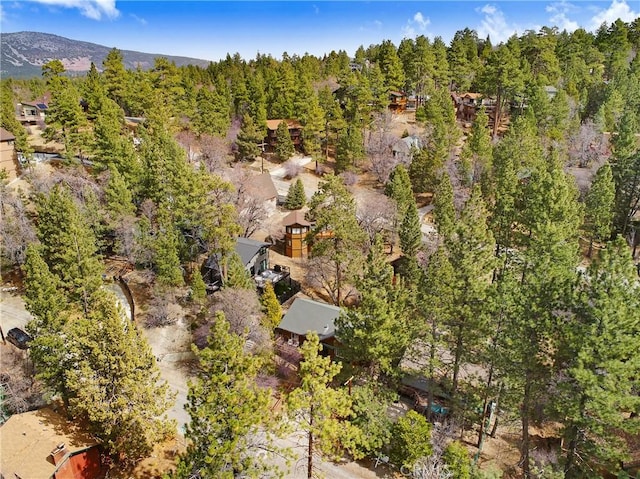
{"x": 163, "y": 308}
{"x": 587, "y": 146}
{"x": 377, "y": 216}
{"x": 291, "y": 169}
{"x": 252, "y": 212}
{"x": 189, "y": 142}
{"x": 16, "y": 229}
{"x": 215, "y": 153}
{"x": 242, "y": 310}
{"x": 321, "y": 275}
{"x": 378, "y": 145}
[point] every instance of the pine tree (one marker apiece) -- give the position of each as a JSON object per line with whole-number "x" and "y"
{"x": 410, "y": 233}
{"x": 213, "y": 114}
{"x": 472, "y": 258}
{"x": 426, "y": 165}
{"x": 435, "y": 299}
{"x": 318, "y": 408}
{"x": 46, "y": 302}
{"x": 411, "y": 439}
{"x": 314, "y": 128}
{"x": 390, "y": 66}
{"x": 336, "y": 236}
{"x": 296, "y": 197}
{"x": 625, "y": 167}
{"x": 9, "y": 121}
{"x": 350, "y": 150}
{"x": 399, "y": 188}
{"x": 444, "y": 212}
{"x": 375, "y": 333}
{"x": 115, "y": 76}
{"x": 227, "y": 425}
{"x": 597, "y": 388}
{"x": 410, "y": 236}
{"x": 43, "y": 293}
{"x": 249, "y": 139}
{"x": 118, "y": 197}
{"x": 477, "y": 152}
{"x": 270, "y": 307}
{"x": 237, "y": 275}
{"x": 114, "y": 383}
{"x": 284, "y": 145}
{"x": 599, "y": 205}
{"x": 549, "y": 217}
{"x": 68, "y": 245}
{"x": 198, "y": 287}
{"x": 166, "y": 255}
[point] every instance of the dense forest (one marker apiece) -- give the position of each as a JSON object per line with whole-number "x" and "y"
{"x": 530, "y": 277}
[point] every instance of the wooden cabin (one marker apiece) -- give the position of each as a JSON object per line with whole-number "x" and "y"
{"x": 296, "y": 230}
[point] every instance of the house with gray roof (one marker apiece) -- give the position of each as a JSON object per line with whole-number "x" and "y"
{"x": 403, "y": 148}
{"x": 253, "y": 254}
{"x": 307, "y": 315}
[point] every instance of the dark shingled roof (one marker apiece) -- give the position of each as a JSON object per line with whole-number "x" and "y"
{"x": 248, "y": 248}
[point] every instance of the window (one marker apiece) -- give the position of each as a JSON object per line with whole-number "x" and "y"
{"x": 296, "y": 231}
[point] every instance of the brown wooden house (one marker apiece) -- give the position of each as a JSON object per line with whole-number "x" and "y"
{"x": 295, "y": 132}
{"x": 8, "y": 156}
{"x": 397, "y": 101}
{"x": 296, "y": 230}
{"x": 42, "y": 444}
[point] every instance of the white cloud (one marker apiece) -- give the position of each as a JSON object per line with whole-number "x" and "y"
{"x": 419, "y": 21}
{"x": 93, "y": 9}
{"x": 138, "y": 19}
{"x": 494, "y": 24}
{"x": 559, "y": 18}
{"x": 316, "y": 9}
{"x": 489, "y": 9}
{"x": 618, "y": 9}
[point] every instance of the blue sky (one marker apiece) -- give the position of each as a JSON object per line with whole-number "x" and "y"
{"x": 210, "y": 29}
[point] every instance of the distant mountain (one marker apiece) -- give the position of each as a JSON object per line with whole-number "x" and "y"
{"x": 22, "y": 55}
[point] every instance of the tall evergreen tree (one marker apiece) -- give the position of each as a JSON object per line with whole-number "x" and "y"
{"x": 336, "y": 234}
{"x": 318, "y": 408}
{"x": 375, "y": 333}
{"x": 69, "y": 245}
{"x": 249, "y": 139}
{"x": 598, "y": 389}
{"x": 284, "y": 145}
{"x": 226, "y": 409}
{"x": 237, "y": 276}
{"x": 476, "y": 154}
{"x": 350, "y": 150}
{"x": 472, "y": 258}
{"x": 114, "y": 382}
{"x": 444, "y": 212}
{"x": 410, "y": 235}
{"x": 599, "y": 206}
{"x": 166, "y": 252}
{"x": 296, "y": 197}
{"x": 399, "y": 188}
{"x": 625, "y": 167}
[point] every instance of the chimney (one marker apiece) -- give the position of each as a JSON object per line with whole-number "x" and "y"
{"x": 59, "y": 453}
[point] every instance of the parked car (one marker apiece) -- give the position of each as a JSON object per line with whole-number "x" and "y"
{"x": 18, "y": 338}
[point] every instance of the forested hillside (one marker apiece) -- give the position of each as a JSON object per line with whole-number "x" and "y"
{"x": 521, "y": 311}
